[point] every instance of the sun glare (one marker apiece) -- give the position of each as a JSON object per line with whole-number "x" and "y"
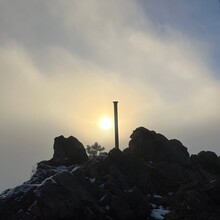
{"x": 105, "y": 123}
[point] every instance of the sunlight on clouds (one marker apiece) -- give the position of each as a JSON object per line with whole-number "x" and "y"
{"x": 75, "y": 95}
{"x": 157, "y": 81}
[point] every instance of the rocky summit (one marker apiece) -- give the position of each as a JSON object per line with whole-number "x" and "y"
{"x": 154, "y": 178}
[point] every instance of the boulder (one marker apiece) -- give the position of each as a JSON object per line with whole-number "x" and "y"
{"x": 152, "y": 146}
{"x": 207, "y": 160}
{"x": 67, "y": 151}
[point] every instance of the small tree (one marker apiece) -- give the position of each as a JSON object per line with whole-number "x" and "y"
{"x": 94, "y": 149}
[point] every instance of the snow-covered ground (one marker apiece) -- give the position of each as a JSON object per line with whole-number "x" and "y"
{"x": 158, "y": 212}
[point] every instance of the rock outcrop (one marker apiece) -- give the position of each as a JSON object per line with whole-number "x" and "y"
{"x": 208, "y": 161}
{"x": 155, "y": 147}
{"x": 154, "y": 178}
{"x": 67, "y": 151}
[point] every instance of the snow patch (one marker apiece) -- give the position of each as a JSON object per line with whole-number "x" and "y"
{"x": 60, "y": 169}
{"x": 158, "y": 213}
{"x": 157, "y": 196}
{"x": 49, "y": 179}
{"x": 154, "y": 206}
{"x": 129, "y": 190}
{"x": 22, "y": 189}
{"x": 75, "y": 168}
{"x": 102, "y": 186}
{"x": 107, "y": 208}
{"x": 92, "y": 180}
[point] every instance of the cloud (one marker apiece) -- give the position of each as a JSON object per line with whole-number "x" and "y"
{"x": 172, "y": 70}
{"x": 169, "y": 75}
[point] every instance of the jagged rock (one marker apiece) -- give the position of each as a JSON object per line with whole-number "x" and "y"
{"x": 120, "y": 209}
{"x": 67, "y": 151}
{"x": 115, "y": 155}
{"x": 155, "y": 147}
{"x": 138, "y": 203}
{"x": 152, "y": 177}
{"x": 197, "y": 201}
{"x": 207, "y": 160}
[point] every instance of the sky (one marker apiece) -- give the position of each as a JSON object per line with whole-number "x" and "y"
{"x": 63, "y": 63}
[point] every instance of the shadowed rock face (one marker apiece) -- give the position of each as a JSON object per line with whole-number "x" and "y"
{"x": 151, "y": 178}
{"x": 155, "y": 147}
{"x": 67, "y": 151}
{"x": 207, "y": 160}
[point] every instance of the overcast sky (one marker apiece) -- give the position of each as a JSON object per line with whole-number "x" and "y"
{"x": 63, "y": 62}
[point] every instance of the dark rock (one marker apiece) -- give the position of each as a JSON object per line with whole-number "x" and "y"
{"x": 196, "y": 201}
{"x": 155, "y": 147}
{"x": 143, "y": 143}
{"x": 207, "y": 160}
{"x": 120, "y": 209}
{"x": 131, "y": 165}
{"x": 138, "y": 203}
{"x": 154, "y": 180}
{"x": 177, "y": 153}
{"x": 213, "y": 190}
{"x": 115, "y": 155}
{"x": 105, "y": 200}
{"x": 112, "y": 186}
{"x": 67, "y": 151}
{"x": 152, "y": 174}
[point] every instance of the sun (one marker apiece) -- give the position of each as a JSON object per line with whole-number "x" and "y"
{"x": 105, "y": 123}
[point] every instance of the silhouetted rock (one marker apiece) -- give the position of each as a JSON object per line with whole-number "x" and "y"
{"x": 151, "y": 179}
{"x": 67, "y": 151}
{"x": 152, "y": 146}
{"x": 115, "y": 155}
{"x": 207, "y": 160}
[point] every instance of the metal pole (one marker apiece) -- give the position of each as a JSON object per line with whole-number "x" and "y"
{"x": 116, "y": 123}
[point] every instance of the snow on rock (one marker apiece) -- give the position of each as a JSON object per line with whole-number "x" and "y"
{"x": 158, "y": 212}
{"x": 75, "y": 168}
{"x": 157, "y": 196}
{"x": 22, "y": 189}
{"x": 92, "y": 180}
